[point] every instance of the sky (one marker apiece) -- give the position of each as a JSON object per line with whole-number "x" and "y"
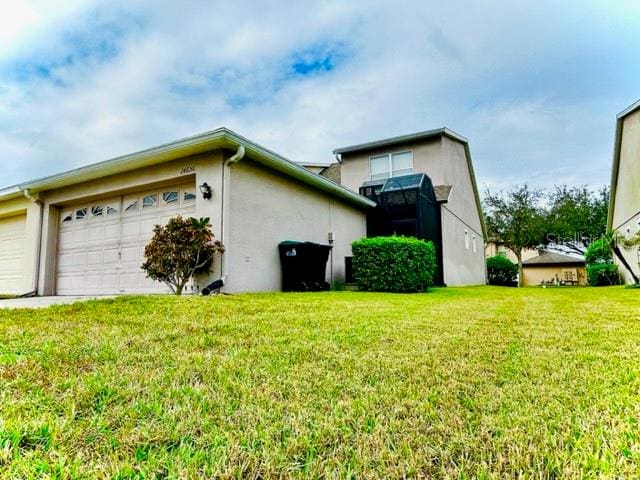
{"x": 534, "y": 86}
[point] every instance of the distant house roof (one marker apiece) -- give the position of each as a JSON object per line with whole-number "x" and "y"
{"x": 616, "y": 159}
{"x": 548, "y": 258}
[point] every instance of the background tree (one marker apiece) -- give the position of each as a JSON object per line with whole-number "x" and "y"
{"x": 501, "y": 271}
{"x": 576, "y": 216}
{"x": 179, "y": 250}
{"x": 516, "y": 220}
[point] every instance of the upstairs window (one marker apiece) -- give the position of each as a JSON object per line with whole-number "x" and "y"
{"x": 390, "y": 165}
{"x": 466, "y": 239}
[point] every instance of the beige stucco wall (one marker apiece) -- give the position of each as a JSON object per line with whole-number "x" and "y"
{"x": 626, "y": 214}
{"x": 354, "y": 170}
{"x": 199, "y": 169}
{"x": 265, "y": 209}
{"x": 462, "y": 265}
{"x": 533, "y": 276}
{"x": 492, "y": 249}
{"x": 627, "y": 202}
{"x": 31, "y": 211}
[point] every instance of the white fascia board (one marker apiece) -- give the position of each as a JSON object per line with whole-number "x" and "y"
{"x": 215, "y": 139}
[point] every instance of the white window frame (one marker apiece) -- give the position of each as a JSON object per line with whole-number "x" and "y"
{"x": 389, "y": 156}
{"x": 466, "y": 239}
{"x": 475, "y": 246}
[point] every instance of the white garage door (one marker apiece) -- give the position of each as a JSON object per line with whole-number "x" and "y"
{"x": 101, "y": 244}
{"x": 12, "y": 253}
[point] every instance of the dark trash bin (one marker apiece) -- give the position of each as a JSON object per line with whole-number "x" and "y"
{"x": 304, "y": 266}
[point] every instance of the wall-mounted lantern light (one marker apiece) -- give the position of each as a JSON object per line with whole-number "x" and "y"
{"x": 205, "y": 189}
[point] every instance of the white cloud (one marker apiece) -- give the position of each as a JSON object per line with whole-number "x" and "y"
{"x": 120, "y": 76}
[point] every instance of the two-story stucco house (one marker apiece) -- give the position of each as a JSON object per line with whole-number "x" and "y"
{"x": 624, "y": 207}
{"x": 454, "y": 215}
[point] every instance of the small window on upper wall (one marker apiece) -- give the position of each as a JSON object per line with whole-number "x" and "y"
{"x": 466, "y": 239}
{"x": 170, "y": 197}
{"x": 149, "y": 201}
{"x": 131, "y": 205}
{"x": 97, "y": 210}
{"x": 475, "y": 248}
{"x": 189, "y": 195}
{"x": 112, "y": 210}
{"x": 81, "y": 213}
{"x": 67, "y": 217}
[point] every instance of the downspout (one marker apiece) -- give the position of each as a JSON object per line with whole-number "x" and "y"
{"x": 226, "y": 183}
{"x": 38, "y": 202}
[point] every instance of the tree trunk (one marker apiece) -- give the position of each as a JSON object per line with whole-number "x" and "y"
{"x": 179, "y": 289}
{"x": 520, "y": 275}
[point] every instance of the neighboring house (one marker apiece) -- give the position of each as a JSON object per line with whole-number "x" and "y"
{"x": 456, "y": 222}
{"x": 332, "y": 171}
{"x": 84, "y": 231}
{"x": 554, "y": 268}
{"x": 624, "y": 207}
{"x": 496, "y": 248}
{"x": 314, "y": 167}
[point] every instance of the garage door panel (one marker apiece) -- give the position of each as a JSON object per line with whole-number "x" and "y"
{"x": 95, "y": 258}
{"x": 96, "y": 233}
{"x": 80, "y": 259}
{"x": 109, "y": 281}
{"x": 110, "y": 256}
{"x": 131, "y": 229}
{"x": 102, "y": 254}
{"x": 111, "y": 232}
{"x": 129, "y": 254}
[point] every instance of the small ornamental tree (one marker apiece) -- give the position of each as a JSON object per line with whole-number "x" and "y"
{"x": 179, "y": 250}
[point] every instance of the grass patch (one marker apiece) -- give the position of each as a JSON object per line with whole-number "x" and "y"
{"x": 483, "y": 382}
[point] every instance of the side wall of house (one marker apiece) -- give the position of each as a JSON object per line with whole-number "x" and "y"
{"x": 534, "y": 275}
{"x": 626, "y": 215}
{"x": 462, "y": 238}
{"x": 265, "y": 209}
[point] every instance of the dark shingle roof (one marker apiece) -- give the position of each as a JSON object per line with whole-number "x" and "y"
{"x": 548, "y": 258}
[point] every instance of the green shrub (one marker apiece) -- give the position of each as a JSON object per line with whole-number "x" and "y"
{"x": 598, "y": 252}
{"x": 393, "y": 264}
{"x": 502, "y": 271}
{"x": 601, "y": 274}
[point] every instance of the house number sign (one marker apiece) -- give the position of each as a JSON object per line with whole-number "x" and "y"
{"x": 187, "y": 169}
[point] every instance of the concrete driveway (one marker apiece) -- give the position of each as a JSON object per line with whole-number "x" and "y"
{"x": 42, "y": 302}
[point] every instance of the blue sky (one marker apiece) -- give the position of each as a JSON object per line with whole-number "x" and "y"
{"x": 534, "y": 87}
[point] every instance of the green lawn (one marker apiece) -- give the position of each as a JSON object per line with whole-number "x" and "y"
{"x": 460, "y": 383}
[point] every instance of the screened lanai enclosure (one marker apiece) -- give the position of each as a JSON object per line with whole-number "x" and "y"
{"x": 406, "y": 206}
